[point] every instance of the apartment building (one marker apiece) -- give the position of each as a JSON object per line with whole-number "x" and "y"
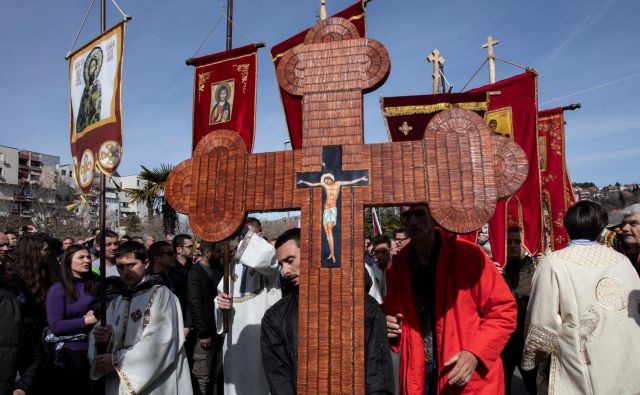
{"x": 33, "y": 183}
{"x": 28, "y": 181}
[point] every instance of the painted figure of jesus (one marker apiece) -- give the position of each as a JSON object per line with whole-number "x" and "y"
{"x": 330, "y": 213}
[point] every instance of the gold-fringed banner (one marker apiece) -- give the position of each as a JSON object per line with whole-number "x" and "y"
{"x": 407, "y": 117}
{"x": 95, "y": 73}
{"x": 557, "y": 194}
{"x": 512, "y": 112}
{"x": 224, "y": 94}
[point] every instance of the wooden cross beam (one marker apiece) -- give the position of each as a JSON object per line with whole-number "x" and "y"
{"x": 458, "y": 168}
{"x": 438, "y": 62}
{"x": 492, "y": 63}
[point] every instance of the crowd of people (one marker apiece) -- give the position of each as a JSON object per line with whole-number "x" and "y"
{"x": 440, "y": 315}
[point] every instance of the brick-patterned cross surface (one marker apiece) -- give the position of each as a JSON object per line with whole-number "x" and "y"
{"x": 453, "y": 168}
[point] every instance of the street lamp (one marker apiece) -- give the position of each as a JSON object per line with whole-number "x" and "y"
{"x": 285, "y": 144}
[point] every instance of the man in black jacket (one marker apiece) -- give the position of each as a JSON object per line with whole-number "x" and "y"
{"x": 279, "y": 331}
{"x": 201, "y": 291}
{"x": 518, "y": 273}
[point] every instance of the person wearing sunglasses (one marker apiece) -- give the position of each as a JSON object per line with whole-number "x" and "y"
{"x": 449, "y": 313}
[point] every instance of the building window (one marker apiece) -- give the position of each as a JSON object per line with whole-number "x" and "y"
{"x": 64, "y": 172}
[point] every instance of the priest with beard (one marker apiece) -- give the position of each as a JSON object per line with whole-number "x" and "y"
{"x": 279, "y": 331}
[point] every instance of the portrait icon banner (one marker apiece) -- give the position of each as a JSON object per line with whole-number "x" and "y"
{"x": 224, "y": 95}
{"x": 95, "y": 73}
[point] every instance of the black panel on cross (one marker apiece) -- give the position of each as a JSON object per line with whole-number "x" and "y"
{"x": 332, "y": 178}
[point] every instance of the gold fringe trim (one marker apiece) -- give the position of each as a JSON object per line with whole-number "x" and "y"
{"x": 431, "y": 108}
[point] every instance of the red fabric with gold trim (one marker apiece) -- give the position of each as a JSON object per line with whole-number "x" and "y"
{"x": 293, "y": 104}
{"x": 407, "y": 117}
{"x": 556, "y": 184}
{"x": 512, "y": 112}
{"x": 224, "y": 94}
{"x": 95, "y": 72}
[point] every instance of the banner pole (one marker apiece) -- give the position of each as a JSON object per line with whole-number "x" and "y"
{"x": 103, "y": 208}
{"x": 226, "y": 272}
{"x": 229, "y": 24}
{"x": 225, "y": 286}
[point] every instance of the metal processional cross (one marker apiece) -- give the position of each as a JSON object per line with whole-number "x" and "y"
{"x": 331, "y": 179}
{"x": 438, "y": 62}
{"x": 492, "y": 62}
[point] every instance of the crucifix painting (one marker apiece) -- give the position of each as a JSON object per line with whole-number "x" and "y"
{"x": 331, "y": 179}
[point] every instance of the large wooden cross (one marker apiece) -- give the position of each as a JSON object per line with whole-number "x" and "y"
{"x": 457, "y": 169}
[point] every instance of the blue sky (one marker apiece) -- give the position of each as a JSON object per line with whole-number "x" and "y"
{"x": 585, "y": 51}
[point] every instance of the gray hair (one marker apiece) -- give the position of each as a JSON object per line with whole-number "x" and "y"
{"x": 148, "y": 237}
{"x": 631, "y": 210}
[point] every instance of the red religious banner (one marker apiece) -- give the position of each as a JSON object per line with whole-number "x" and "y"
{"x": 512, "y": 112}
{"x": 293, "y": 104}
{"x": 95, "y": 72}
{"x": 224, "y": 93}
{"x": 407, "y": 117}
{"x": 557, "y": 194}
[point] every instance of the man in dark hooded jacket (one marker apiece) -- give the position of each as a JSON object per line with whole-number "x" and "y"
{"x": 279, "y": 331}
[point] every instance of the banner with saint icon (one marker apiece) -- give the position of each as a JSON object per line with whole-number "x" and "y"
{"x": 95, "y": 72}
{"x": 224, "y": 94}
{"x": 557, "y": 194}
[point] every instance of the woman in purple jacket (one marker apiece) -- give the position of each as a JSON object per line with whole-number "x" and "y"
{"x": 70, "y": 320}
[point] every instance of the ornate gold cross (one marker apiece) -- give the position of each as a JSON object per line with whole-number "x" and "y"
{"x": 405, "y": 128}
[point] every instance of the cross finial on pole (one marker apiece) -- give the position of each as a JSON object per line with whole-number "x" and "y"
{"x": 492, "y": 64}
{"x": 438, "y": 62}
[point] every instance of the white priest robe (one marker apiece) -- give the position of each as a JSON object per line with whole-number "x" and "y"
{"x": 147, "y": 345}
{"x": 255, "y": 286}
{"x": 585, "y": 311}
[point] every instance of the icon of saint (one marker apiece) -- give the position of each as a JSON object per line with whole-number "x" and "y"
{"x": 221, "y": 111}
{"x": 91, "y": 101}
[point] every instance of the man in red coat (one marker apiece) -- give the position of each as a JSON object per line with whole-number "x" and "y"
{"x": 449, "y": 312}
